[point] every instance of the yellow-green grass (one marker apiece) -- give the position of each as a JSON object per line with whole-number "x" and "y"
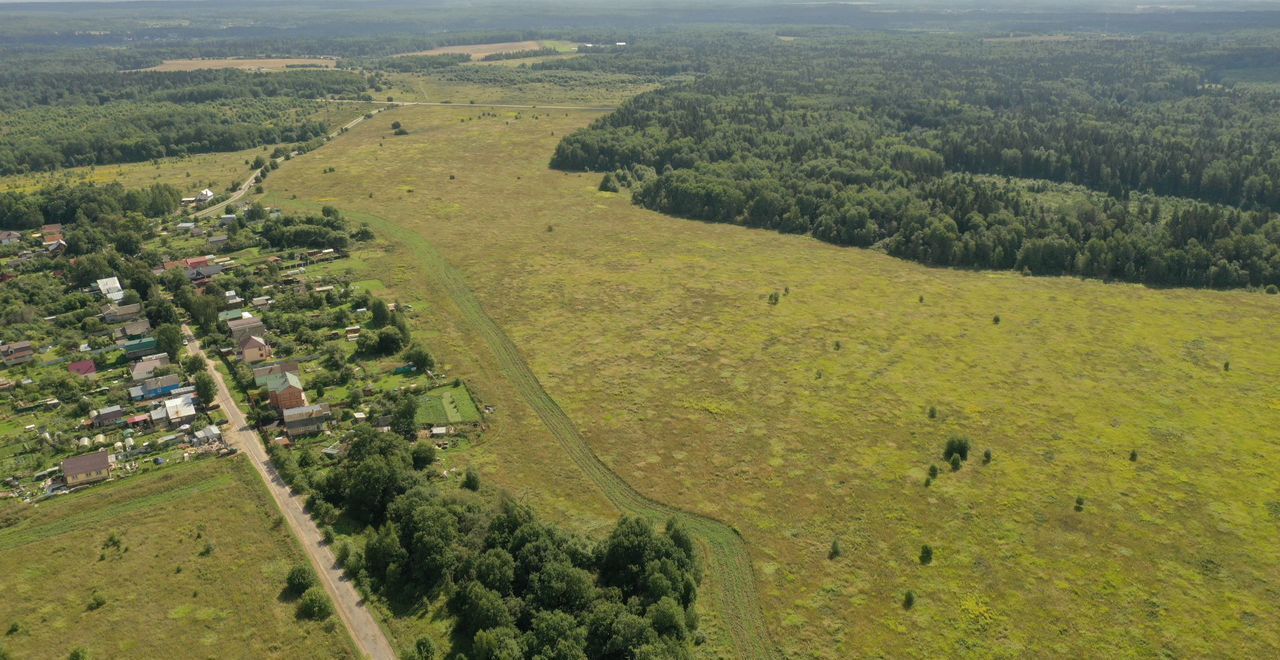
{"x": 198, "y": 572}
{"x": 654, "y": 334}
{"x": 189, "y": 174}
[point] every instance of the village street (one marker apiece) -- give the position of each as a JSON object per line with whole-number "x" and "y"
{"x": 348, "y": 604}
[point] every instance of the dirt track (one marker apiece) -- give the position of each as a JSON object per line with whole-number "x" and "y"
{"x": 347, "y": 602}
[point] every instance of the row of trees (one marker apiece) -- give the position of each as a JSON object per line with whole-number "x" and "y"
{"x": 871, "y": 141}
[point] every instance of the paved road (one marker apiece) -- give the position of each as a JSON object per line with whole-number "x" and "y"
{"x": 347, "y": 601}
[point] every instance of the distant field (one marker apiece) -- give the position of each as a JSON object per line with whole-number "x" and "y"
{"x": 478, "y": 51}
{"x": 271, "y": 64}
{"x": 190, "y": 174}
{"x": 198, "y": 571}
{"x": 809, "y": 420}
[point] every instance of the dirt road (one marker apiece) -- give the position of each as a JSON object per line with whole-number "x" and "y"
{"x": 249, "y": 184}
{"x": 347, "y": 601}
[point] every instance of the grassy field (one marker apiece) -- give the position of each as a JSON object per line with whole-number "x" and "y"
{"x": 198, "y": 571}
{"x": 809, "y": 421}
{"x": 190, "y": 174}
{"x": 269, "y": 64}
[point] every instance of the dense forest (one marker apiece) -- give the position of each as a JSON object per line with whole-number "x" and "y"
{"x": 907, "y": 144}
{"x": 74, "y": 108}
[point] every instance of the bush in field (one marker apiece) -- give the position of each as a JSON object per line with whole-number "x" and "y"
{"x": 301, "y": 578}
{"x": 926, "y": 555}
{"x": 956, "y": 446}
{"x": 472, "y": 479}
{"x": 314, "y": 605}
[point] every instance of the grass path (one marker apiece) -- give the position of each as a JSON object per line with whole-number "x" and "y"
{"x": 732, "y": 590}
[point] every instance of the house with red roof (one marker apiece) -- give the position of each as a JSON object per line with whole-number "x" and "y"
{"x": 83, "y": 368}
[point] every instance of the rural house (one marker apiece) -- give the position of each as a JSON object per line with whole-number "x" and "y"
{"x": 254, "y": 349}
{"x": 176, "y": 411}
{"x": 83, "y": 368}
{"x": 135, "y": 329}
{"x": 87, "y": 468}
{"x": 285, "y": 391}
{"x": 17, "y": 353}
{"x": 106, "y": 416}
{"x": 141, "y": 347}
{"x": 109, "y": 287}
{"x": 264, "y": 373}
{"x": 245, "y": 326}
{"x": 122, "y": 313}
{"x": 142, "y": 369}
{"x": 305, "y": 420}
{"x": 9, "y": 237}
{"x": 153, "y": 388}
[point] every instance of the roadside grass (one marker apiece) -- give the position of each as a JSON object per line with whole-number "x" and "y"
{"x": 180, "y": 562}
{"x": 654, "y": 335}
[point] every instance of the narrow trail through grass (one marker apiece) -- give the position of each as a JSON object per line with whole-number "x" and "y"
{"x": 732, "y": 589}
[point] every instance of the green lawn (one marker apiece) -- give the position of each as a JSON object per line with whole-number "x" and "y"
{"x": 447, "y": 405}
{"x": 198, "y": 571}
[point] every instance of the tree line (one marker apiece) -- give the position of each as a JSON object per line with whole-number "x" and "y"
{"x": 517, "y": 587}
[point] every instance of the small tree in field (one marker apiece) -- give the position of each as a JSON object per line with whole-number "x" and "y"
{"x": 926, "y": 555}
{"x": 835, "y": 551}
{"x": 909, "y": 601}
{"x": 314, "y": 605}
{"x": 472, "y": 479}
{"x": 300, "y": 579}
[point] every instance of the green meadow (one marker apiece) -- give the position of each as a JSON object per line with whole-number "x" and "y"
{"x": 1128, "y": 507}
{"x": 184, "y": 561}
